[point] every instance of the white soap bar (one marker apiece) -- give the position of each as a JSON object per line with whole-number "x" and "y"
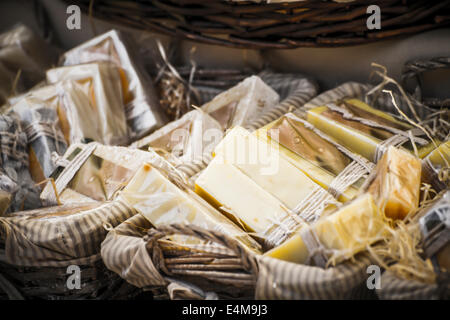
{"x": 263, "y": 163}
{"x": 222, "y": 184}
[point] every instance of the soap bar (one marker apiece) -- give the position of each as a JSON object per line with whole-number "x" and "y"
{"x": 357, "y": 136}
{"x": 187, "y": 138}
{"x": 223, "y": 185}
{"x": 44, "y": 136}
{"x": 242, "y": 103}
{"x": 103, "y": 82}
{"x": 79, "y": 118}
{"x": 98, "y": 176}
{"x": 396, "y": 186}
{"x": 263, "y": 164}
{"x": 316, "y": 173}
{"x": 436, "y": 167}
{"x": 293, "y": 134}
{"x": 163, "y": 203}
{"x": 346, "y": 232}
{"x": 143, "y": 111}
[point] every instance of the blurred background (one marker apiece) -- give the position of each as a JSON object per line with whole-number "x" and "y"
{"x": 329, "y": 66}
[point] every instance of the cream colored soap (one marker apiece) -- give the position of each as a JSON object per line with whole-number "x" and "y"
{"x": 263, "y": 163}
{"x": 163, "y": 203}
{"x": 223, "y": 185}
{"x": 348, "y": 230}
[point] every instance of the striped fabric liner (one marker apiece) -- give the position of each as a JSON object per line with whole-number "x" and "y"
{"x": 124, "y": 252}
{"x": 58, "y": 241}
{"x": 284, "y": 280}
{"x": 395, "y": 288}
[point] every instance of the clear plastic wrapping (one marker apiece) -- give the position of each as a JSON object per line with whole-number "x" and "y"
{"x": 41, "y": 125}
{"x": 242, "y": 103}
{"x": 24, "y": 52}
{"x": 187, "y": 138}
{"x": 92, "y": 172}
{"x": 102, "y": 81}
{"x": 365, "y": 130}
{"x": 17, "y": 189}
{"x": 142, "y": 109}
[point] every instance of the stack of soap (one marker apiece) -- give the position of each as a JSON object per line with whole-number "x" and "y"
{"x": 362, "y": 128}
{"x": 143, "y": 112}
{"x": 253, "y": 184}
{"x": 163, "y": 203}
{"x": 242, "y": 103}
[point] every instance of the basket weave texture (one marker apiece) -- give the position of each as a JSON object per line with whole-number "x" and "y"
{"x": 247, "y": 24}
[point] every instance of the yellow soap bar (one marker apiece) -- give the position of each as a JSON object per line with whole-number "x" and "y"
{"x": 163, "y": 203}
{"x": 396, "y": 187}
{"x": 348, "y": 230}
{"x": 440, "y": 157}
{"x": 356, "y": 136}
{"x": 223, "y": 185}
{"x": 317, "y": 174}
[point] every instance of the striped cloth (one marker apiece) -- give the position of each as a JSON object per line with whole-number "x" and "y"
{"x": 50, "y": 237}
{"x": 124, "y": 252}
{"x": 284, "y": 280}
{"x": 395, "y": 288}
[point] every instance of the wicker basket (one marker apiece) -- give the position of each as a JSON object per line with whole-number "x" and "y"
{"x": 247, "y": 24}
{"x": 134, "y": 251}
{"x": 35, "y": 254}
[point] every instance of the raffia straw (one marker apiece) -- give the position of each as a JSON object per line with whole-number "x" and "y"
{"x": 16, "y": 82}
{"x": 91, "y": 17}
{"x": 416, "y": 125}
{"x": 400, "y": 253}
{"x": 386, "y": 80}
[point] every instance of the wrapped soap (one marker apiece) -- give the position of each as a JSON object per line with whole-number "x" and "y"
{"x": 102, "y": 80}
{"x": 242, "y": 103}
{"x": 187, "y": 138}
{"x": 22, "y": 49}
{"x": 336, "y": 237}
{"x": 436, "y": 167}
{"x": 300, "y": 147}
{"x": 365, "y": 130}
{"x": 41, "y": 125}
{"x": 72, "y": 101}
{"x": 435, "y": 228}
{"x": 17, "y": 189}
{"x": 161, "y": 202}
{"x": 142, "y": 109}
{"x": 395, "y": 183}
{"x": 92, "y": 172}
{"x": 263, "y": 164}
